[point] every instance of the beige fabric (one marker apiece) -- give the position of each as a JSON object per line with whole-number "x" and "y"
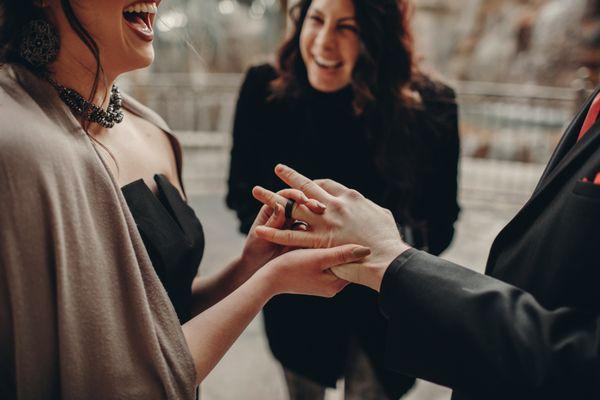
{"x": 82, "y": 312}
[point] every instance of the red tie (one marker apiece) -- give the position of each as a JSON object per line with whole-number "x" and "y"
{"x": 590, "y": 120}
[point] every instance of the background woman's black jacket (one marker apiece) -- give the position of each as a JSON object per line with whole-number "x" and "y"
{"x": 320, "y": 136}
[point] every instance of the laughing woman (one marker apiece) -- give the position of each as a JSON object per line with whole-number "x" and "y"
{"x": 95, "y": 224}
{"x": 347, "y": 101}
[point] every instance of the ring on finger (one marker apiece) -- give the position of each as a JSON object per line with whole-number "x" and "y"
{"x": 299, "y": 225}
{"x": 289, "y": 208}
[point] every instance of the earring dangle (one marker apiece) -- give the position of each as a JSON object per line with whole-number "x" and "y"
{"x": 40, "y": 43}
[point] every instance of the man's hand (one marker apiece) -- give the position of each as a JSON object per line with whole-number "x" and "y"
{"x": 349, "y": 218}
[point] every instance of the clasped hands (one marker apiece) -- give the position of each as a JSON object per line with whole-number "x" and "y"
{"x": 335, "y": 216}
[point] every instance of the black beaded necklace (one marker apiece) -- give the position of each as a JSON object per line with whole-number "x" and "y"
{"x": 88, "y": 111}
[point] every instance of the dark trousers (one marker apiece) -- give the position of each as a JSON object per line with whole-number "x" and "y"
{"x": 360, "y": 381}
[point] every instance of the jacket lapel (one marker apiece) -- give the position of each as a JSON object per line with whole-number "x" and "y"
{"x": 567, "y": 153}
{"x": 578, "y": 149}
{"x": 567, "y": 141}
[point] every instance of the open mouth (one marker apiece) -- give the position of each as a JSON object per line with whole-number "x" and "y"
{"x": 327, "y": 64}
{"x": 140, "y": 17}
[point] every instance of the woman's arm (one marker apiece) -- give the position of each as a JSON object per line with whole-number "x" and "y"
{"x": 207, "y": 291}
{"x": 210, "y": 334}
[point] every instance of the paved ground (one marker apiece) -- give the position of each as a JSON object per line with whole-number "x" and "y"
{"x": 248, "y": 372}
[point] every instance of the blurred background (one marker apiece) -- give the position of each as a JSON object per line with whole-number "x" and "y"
{"x": 521, "y": 69}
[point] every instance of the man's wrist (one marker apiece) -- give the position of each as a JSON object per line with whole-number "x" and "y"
{"x": 389, "y": 291}
{"x": 390, "y": 253}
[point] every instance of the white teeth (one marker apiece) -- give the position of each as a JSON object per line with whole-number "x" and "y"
{"x": 327, "y": 63}
{"x": 149, "y": 8}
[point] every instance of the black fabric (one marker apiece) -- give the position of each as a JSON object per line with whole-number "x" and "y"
{"x": 173, "y": 237}
{"x": 530, "y": 330}
{"x": 320, "y": 136}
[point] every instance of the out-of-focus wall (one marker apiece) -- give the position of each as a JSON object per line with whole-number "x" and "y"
{"x": 537, "y": 41}
{"x": 216, "y": 35}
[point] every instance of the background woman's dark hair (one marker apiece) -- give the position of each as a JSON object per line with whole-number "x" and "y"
{"x": 15, "y": 14}
{"x": 385, "y": 65}
{"x": 382, "y": 86}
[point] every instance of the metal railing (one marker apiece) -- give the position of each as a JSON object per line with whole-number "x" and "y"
{"x": 508, "y": 131}
{"x": 196, "y": 102}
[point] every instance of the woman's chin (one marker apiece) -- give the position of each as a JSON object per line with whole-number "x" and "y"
{"x": 327, "y": 81}
{"x": 325, "y": 86}
{"x": 140, "y": 59}
{"x": 147, "y": 61}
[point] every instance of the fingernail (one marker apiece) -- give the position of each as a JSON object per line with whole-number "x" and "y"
{"x": 361, "y": 252}
{"x": 318, "y": 204}
{"x": 276, "y": 211}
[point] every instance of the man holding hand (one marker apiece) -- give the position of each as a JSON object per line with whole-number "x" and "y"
{"x": 529, "y": 328}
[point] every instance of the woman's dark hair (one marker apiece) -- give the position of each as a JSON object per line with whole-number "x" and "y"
{"x": 385, "y": 65}
{"x": 15, "y": 14}
{"x": 381, "y": 81}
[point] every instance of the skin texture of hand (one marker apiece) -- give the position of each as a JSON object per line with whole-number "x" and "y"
{"x": 209, "y": 290}
{"x": 257, "y": 251}
{"x": 349, "y": 218}
{"x": 307, "y": 271}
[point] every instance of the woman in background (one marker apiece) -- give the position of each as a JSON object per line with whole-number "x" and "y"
{"x": 347, "y": 101}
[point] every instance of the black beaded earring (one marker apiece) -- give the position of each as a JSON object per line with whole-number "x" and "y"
{"x": 40, "y": 43}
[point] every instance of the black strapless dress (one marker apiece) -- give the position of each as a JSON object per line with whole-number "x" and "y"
{"x": 173, "y": 237}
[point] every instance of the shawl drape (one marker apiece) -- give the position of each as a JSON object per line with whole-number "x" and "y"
{"x": 82, "y": 311}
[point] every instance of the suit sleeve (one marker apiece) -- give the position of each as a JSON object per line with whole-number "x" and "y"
{"x": 243, "y": 169}
{"x": 471, "y": 332}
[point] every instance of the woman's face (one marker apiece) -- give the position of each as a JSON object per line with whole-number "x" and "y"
{"x": 329, "y": 44}
{"x": 123, "y": 30}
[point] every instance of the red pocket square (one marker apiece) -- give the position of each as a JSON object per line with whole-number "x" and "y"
{"x": 596, "y": 179}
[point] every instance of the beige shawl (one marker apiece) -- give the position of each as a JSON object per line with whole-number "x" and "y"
{"x": 82, "y": 312}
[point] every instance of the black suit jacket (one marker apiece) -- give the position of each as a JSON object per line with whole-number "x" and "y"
{"x": 531, "y": 329}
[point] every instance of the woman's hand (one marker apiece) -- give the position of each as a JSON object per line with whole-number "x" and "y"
{"x": 257, "y": 251}
{"x": 349, "y": 218}
{"x": 307, "y": 271}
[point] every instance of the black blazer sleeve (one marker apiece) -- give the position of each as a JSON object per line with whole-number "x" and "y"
{"x": 244, "y": 163}
{"x": 471, "y": 332}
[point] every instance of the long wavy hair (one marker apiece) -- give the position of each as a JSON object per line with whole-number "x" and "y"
{"x": 382, "y": 83}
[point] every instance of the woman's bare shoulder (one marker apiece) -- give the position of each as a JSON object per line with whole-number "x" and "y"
{"x": 160, "y": 144}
